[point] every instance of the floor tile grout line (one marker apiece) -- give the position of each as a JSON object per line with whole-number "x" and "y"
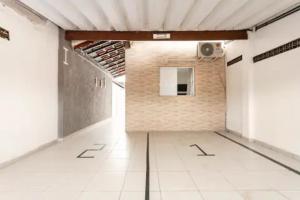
{"x": 198, "y": 190}
{"x": 126, "y": 173}
{"x": 228, "y": 181}
{"x": 147, "y": 185}
{"x": 106, "y": 157}
{"x": 157, "y": 171}
{"x": 188, "y": 172}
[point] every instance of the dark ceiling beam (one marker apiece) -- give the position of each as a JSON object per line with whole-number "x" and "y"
{"x": 101, "y": 45}
{"x": 83, "y": 44}
{"x": 117, "y": 63}
{"x": 116, "y": 67}
{"x": 118, "y": 71}
{"x": 114, "y": 49}
{"x": 93, "y": 46}
{"x": 105, "y": 47}
{"x": 148, "y": 35}
{"x": 119, "y": 74}
{"x": 113, "y": 63}
{"x": 111, "y": 59}
{"x": 109, "y": 54}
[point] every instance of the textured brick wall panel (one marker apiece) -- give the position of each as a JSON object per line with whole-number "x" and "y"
{"x": 147, "y": 111}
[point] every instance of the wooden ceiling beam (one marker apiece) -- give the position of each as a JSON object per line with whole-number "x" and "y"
{"x": 116, "y": 64}
{"x": 93, "y": 46}
{"x": 120, "y": 74}
{"x": 148, "y": 35}
{"x": 116, "y": 68}
{"x": 109, "y": 53}
{"x": 107, "y": 66}
{"x": 98, "y": 46}
{"x": 106, "y": 50}
{"x": 111, "y": 59}
{"x": 118, "y": 71}
{"x": 83, "y": 44}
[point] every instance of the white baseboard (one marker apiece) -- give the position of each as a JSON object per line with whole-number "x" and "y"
{"x": 39, "y": 148}
{"x": 168, "y": 131}
{"x": 48, "y": 144}
{"x": 238, "y": 134}
{"x": 86, "y": 129}
{"x": 265, "y": 145}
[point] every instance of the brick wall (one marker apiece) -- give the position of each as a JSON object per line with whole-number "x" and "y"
{"x": 147, "y": 111}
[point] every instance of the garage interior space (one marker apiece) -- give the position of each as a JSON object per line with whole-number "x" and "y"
{"x": 149, "y": 100}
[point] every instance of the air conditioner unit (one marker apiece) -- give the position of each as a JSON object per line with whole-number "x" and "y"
{"x": 210, "y": 50}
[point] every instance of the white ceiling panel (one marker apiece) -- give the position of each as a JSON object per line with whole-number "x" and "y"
{"x": 199, "y": 11}
{"x": 177, "y": 13}
{"x": 223, "y": 10}
{"x": 114, "y": 12}
{"x": 135, "y": 11}
{"x": 275, "y": 8}
{"x": 250, "y": 9}
{"x": 157, "y": 12}
{"x": 51, "y": 13}
{"x": 68, "y": 10}
{"x": 93, "y": 13}
{"x": 158, "y": 15}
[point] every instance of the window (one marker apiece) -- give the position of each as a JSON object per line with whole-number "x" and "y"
{"x": 175, "y": 81}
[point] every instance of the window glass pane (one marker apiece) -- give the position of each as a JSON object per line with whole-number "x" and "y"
{"x": 175, "y": 81}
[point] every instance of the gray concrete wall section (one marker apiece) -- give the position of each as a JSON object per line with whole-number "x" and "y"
{"x": 81, "y": 102}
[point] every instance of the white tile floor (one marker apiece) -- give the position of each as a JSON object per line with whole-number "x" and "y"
{"x": 177, "y": 173}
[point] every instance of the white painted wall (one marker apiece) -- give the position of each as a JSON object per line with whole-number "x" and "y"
{"x": 234, "y": 98}
{"x": 28, "y": 85}
{"x": 239, "y": 76}
{"x": 118, "y": 106}
{"x": 270, "y": 88}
